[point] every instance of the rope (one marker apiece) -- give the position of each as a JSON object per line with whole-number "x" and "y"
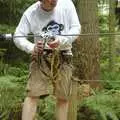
{"x": 86, "y": 34}
{"x": 55, "y": 62}
{"x": 109, "y": 81}
{"x": 11, "y": 36}
{"x": 92, "y": 34}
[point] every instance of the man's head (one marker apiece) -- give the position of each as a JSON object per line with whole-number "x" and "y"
{"x": 48, "y": 5}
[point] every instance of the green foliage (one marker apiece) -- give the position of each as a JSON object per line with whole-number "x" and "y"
{"x": 46, "y": 109}
{"x": 103, "y": 20}
{"x": 12, "y": 55}
{"x": 4, "y": 28}
{"x": 2, "y": 51}
{"x": 12, "y": 10}
{"x": 112, "y": 80}
{"x": 3, "y": 66}
{"x": 102, "y": 106}
{"x": 11, "y": 95}
{"x": 17, "y": 72}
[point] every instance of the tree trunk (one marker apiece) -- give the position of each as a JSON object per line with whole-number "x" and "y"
{"x": 112, "y": 23}
{"x": 86, "y": 51}
{"x": 88, "y": 64}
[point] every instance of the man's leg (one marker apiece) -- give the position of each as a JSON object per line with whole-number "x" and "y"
{"x": 29, "y": 108}
{"x": 61, "y": 109}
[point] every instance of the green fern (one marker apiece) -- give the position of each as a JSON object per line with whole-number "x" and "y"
{"x": 107, "y": 104}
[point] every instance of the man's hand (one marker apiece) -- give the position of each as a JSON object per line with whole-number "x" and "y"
{"x": 38, "y": 50}
{"x": 54, "y": 44}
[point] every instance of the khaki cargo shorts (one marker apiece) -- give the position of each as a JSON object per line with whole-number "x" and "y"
{"x": 50, "y": 75}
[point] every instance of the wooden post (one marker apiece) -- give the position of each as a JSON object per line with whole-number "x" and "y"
{"x": 72, "y": 113}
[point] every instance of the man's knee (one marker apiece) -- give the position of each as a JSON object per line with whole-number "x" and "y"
{"x": 30, "y": 99}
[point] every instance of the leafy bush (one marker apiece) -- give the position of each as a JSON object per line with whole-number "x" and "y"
{"x": 11, "y": 97}
{"x": 3, "y": 66}
{"x": 46, "y": 109}
{"x": 111, "y": 80}
{"x": 4, "y": 28}
{"x": 12, "y": 10}
{"x": 17, "y": 72}
{"x": 102, "y": 106}
{"x": 12, "y": 94}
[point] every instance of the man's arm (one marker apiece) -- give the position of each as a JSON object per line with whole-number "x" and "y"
{"x": 75, "y": 27}
{"x": 22, "y": 30}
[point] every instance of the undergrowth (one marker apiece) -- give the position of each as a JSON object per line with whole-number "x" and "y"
{"x": 105, "y": 105}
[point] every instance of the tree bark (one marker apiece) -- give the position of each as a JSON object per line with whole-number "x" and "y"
{"x": 88, "y": 46}
{"x": 86, "y": 51}
{"x": 112, "y": 23}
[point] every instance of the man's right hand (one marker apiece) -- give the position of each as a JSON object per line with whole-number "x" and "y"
{"x": 38, "y": 50}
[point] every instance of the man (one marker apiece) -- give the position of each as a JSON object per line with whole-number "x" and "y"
{"x": 48, "y": 16}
